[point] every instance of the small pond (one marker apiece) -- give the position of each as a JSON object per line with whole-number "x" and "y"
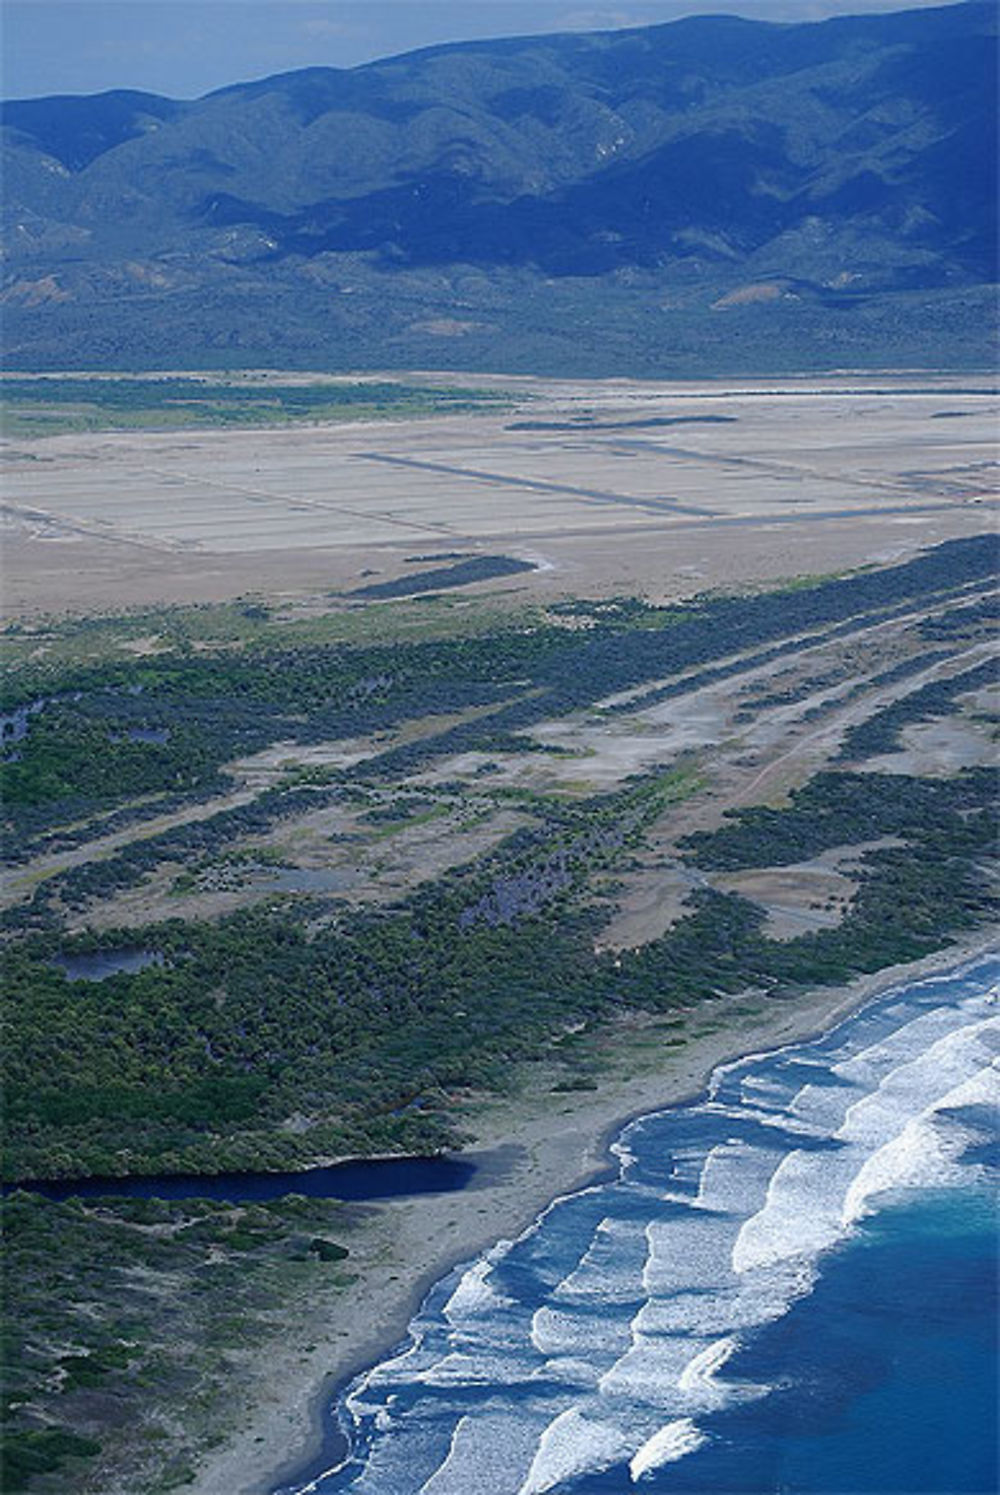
{"x": 98, "y": 965}
{"x": 309, "y": 879}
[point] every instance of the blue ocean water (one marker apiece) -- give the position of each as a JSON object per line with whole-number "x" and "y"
{"x": 791, "y": 1287}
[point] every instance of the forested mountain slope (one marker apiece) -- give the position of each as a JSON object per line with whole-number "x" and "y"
{"x": 713, "y": 191}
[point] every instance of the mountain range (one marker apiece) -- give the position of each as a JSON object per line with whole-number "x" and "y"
{"x": 711, "y": 195}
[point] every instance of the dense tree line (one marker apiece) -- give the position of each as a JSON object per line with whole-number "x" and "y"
{"x": 250, "y": 1020}
{"x": 166, "y": 724}
{"x": 977, "y": 620}
{"x": 881, "y": 732}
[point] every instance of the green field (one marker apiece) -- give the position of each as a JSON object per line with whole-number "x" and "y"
{"x": 52, "y": 406}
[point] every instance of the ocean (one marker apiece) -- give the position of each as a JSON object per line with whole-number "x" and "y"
{"x": 790, "y": 1287}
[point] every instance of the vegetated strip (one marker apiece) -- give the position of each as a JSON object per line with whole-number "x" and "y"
{"x": 80, "y": 758}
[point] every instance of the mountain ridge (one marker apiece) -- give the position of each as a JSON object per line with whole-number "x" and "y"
{"x": 840, "y": 164}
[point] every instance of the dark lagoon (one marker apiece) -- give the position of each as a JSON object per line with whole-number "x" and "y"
{"x": 98, "y": 965}
{"x": 381, "y": 1178}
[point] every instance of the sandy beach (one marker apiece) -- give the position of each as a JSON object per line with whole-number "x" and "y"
{"x": 535, "y": 1148}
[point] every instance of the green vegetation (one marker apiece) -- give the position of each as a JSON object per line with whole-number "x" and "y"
{"x": 80, "y": 757}
{"x": 25, "y": 1454}
{"x": 100, "y": 1348}
{"x": 192, "y": 1065}
{"x": 880, "y": 732}
{"x": 300, "y": 1027}
{"x": 977, "y": 621}
{"x": 840, "y": 809}
{"x": 50, "y": 405}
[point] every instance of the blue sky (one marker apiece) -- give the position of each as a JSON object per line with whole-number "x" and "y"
{"x": 184, "y": 48}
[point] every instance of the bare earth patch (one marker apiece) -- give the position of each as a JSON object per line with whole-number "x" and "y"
{"x": 804, "y": 475}
{"x": 802, "y": 896}
{"x": 939, "y": 749}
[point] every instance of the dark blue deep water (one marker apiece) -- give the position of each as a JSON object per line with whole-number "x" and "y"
{"x": 381, "y": 1178}
{"x": 791, "y": 1287}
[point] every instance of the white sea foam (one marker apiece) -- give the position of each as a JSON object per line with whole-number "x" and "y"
{"x": 573, "y": 1445}
{"x": 475, "y": 1296}
{"x": 801, "y": 1215}
{"x": 622, "y": 1150}
{"x": 609, "y": 1270}
{"x": 927, "y": 1152}
{"x": 715, "y": 1231}
{"x": 699, "y": 1374}
{"x": 782, "y": 1123}
{"x": 394, "y": 1463}
{"x": 563, "y": 1331}
{"x": 823, "y": 1107}
{"x": 869, "y": 1066}
{"x": 735, "y": 1177}
{"x": 673, "y": 1442}
{"x": 489, "y": 1451}
{"x": 914, "y": 1086}
{"x": 571, "y": 1372}
{"x": 687, "y": 1251}
{"x": 806, "y": 1211}
{"x": 485, "y": 1365}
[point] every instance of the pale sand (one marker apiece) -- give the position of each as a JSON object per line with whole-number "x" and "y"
{"x": 556, "y": 1143}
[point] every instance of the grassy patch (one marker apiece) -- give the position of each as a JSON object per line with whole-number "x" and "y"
{"x": 52, "y": 405}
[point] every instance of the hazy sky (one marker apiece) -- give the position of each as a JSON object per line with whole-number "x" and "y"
{"x": 184, "y": 48}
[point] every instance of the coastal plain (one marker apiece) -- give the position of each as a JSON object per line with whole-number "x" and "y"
{"x": 819, "y": 542}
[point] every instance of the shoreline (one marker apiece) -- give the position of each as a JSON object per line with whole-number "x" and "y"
{"x": 553, "y": 1145}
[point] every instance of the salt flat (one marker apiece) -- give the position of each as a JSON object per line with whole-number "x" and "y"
{"x": 660, "y": 488}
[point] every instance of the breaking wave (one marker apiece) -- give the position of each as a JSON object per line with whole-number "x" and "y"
{"x": 600, "y": 1345}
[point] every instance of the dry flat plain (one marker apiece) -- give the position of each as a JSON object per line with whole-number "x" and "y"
{"x": 658, "y": 489}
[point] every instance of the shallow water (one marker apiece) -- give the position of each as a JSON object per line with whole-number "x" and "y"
{"x": 310, "y": 879}
{"x": 790, "y": 1287}
{"x": 101, "y": 964}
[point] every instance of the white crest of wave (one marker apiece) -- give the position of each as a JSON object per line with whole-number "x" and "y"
{"x": 556, "y": 1331}
{"x": 807, "y": 1209}
{"x": 671, "y": 1443}
{"x": 915, "y": 1086}
{"x": 599, "y": 1275}
{"x": 479, "y": 1365}
{"x": 570, "y": 1446}
{"x": 699, "y": 1374}
{"x": 489, "y": 1450}
{"x": 781, "y": 1122}
{"x": 926, "y": 1153}
{"x": 891, "y": 1052}
{"x": 797, "y": 1219}
{"x": 711, "y": 1241}
{"x": 475, "y": 1296}
{"x": 622, "y": 1149}
{"x": 735, "y": 1177}
{"x": 573, "y": 1372}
